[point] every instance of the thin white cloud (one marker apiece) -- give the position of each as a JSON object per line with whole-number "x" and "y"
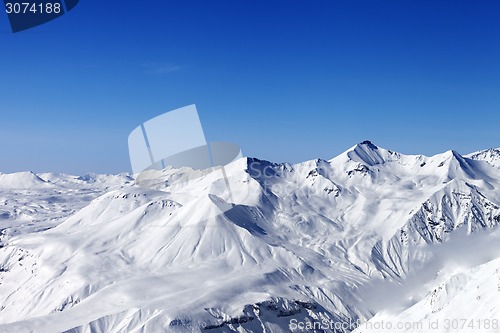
{"x": 160, "y": 68}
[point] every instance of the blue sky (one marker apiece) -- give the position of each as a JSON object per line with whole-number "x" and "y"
{"x": 287, "y": 80}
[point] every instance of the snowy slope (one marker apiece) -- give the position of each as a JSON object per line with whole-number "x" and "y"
{"x": 308, "y": 242}
{"x": 466, "y": 300}
{"x": 492, "y": 156}
{"x": 22, "y": 180}
{"x": 30, "y": 202}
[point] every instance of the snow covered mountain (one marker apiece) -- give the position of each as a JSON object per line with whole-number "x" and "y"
{"x": 370, "y": 234}
{"x": 491, "y": 156}
{"x": 463, "y": 296}
{"x": 22, "y": 180}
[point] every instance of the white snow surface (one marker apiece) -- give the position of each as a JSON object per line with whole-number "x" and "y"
{"x": 491, "y": 156}
{"x": 371, "y": 235}
{"x": 22, "y": 180}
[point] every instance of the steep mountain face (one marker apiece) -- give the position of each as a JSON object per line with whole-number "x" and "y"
{"x": 251, "y": 248}
{"x": 491, "y": 156}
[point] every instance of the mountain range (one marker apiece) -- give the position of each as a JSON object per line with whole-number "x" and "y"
{"x": 367, "y": 238}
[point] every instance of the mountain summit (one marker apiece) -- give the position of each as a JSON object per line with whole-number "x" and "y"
{"x": 369, "y": 154}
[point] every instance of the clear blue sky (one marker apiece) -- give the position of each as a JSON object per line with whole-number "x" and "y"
{"x": 287, "y": 80}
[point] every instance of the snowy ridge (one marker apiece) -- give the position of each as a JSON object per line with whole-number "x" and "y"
{"x": 22, "y": 180}
{"x": 492, "y": 156}
{"x": 305, "y": 242}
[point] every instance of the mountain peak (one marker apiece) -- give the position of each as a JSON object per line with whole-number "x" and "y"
{"x": 455, "y": 154}
{"x": 21, "y": 180}
{"x": 368, "y": 153}
{"x": 492, "y": 156}
{"x": 368, "y": 143}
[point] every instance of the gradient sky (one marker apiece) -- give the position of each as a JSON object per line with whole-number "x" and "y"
{"x": 286, "y": 80}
